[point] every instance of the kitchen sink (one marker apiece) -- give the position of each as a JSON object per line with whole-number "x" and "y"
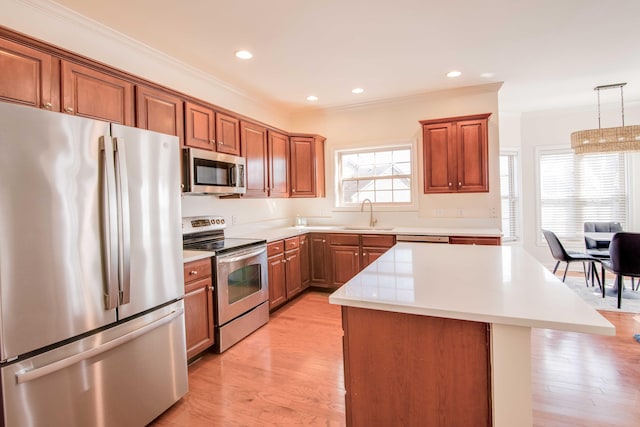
{"x": 355, "y": 228}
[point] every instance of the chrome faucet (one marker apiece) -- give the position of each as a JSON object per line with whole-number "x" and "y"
{"x": 372, "y": 221}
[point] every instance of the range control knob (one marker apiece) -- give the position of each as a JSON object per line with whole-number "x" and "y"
{"x": 222, "y": 221}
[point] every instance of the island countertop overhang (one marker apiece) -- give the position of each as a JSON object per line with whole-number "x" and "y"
{"x": 490, "y": 284}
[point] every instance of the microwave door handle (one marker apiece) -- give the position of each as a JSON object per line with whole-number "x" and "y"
{"x": 108, "y": 221}
{"x": 124, "y": 220}
{"x": 232, "y": 177}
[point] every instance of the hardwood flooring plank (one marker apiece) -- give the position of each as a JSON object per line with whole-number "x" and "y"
{"x": 290, "y": 372}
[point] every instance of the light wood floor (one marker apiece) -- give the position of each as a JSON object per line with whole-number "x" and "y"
{"x": 290, "y": 372}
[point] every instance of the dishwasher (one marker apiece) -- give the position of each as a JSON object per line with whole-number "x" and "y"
{"x": 416, "y": 238}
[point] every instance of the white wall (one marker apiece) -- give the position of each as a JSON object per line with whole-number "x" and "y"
{"x": 553, "y": 128}
{"x": 394, "y": 122}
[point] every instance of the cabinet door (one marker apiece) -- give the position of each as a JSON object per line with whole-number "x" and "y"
{"x": 198, "y": 316}
{"x": 277, "y": 280}
{"x": 200, "y": 127}
{"x": 371, "y": 254}
{"x": 27, "y": 76}
{"x": 294, "y": 280}
{"x": 319, "y": 259}
{"x": 472, "y": 157}
{"x": 278, "y": 165}
{"x": 345, "y": 263}
{"x": 305, "y": 272}
{"x": 159, "y": 111}
{"x": 439, "y": 158}
{"x": 90, "y": 93}
{"x": 302, "y": 167}
{"x": 253, "y": 139}
{"x": 227, "y": 134}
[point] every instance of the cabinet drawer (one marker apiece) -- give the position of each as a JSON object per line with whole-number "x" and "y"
{"x": 344, "y": 239}
{"x": 470, "y": 240}
{"x": 197, "y": 269}
{"x": 292, "y": 243}
{"x": 378, "y": 240}
{"x": 275, "y": 248}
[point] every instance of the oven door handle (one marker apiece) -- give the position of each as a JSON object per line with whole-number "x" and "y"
{"x": 226, "y": 259}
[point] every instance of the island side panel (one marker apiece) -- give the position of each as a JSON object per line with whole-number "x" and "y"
{"x": 412, "y": 370}
{"x": 511, "y": 375}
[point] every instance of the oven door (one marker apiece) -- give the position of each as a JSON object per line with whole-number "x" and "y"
{"x": 241, "y": 279}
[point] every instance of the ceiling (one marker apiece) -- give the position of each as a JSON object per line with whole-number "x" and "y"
{"x": 548, "y": 53}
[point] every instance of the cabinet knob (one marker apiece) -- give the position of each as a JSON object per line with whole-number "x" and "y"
{"x": 355, "y": 253}
{"x": 68, "y": 110}
{"x": 364, "y": 254}
{"x": 294, "y": 190}
{"x": 324, "y": 241}
{"x": 221, "y": 142}
{"x": 193, "y": 272}
{"x": 211, "y": 288}
{"x": 212, "y": 141}
{"x": 459, "y": 183}
{"x": 47, "y": 106}
{"x": 450, "y": 184}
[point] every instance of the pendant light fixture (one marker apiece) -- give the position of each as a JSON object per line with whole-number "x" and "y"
{"x": 622, "y": 138}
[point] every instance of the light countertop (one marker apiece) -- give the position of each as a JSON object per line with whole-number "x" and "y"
{"x": 188, "y": 255}
{"x": 271, "y": 235}
{"x": 491, "y": 284}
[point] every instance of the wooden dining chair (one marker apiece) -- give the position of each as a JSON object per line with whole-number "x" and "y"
{"x": 560, "y": 254}
{"x": 624, "y": 252}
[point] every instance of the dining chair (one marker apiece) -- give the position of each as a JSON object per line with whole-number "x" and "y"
{"x": 598, "y": 249}
{"x": 560, "y": 254}
{"x": 624, "y": 251}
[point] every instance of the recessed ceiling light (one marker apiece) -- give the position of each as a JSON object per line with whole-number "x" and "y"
{"x": 487, "y": 75}
{"x": 454, "y": 74}
{"x": 312, "y": 98}
{"x": 244, "y": 54}
{"x": 357, "y": 90}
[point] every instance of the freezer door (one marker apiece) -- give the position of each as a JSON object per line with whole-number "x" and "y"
{"x": 124, "y": 376}
{"x": 148, "y": 182}
{"x": 52, "y": 173}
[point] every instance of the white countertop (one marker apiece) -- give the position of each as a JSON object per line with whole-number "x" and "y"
{"x": 491, "y": 284}
{"x": 188, "y": 255}
{"x": 271, "y": 235}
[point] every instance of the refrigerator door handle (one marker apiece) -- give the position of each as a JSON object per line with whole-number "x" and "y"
{"x": 108, "y": 222}
{"x": 27, "y": 375}
{"x": 124, "y": 221}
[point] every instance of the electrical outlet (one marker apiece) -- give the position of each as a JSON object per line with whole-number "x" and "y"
{"x": 234, "y": 220}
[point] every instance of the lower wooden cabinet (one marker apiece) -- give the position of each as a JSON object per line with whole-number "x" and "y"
{"x": 285, "y": 280}
{"x": 198, "y": 306}
{"x": 471, "y": 240}
{"x": 305, "y": 259}
{"x": 318, "y": 265}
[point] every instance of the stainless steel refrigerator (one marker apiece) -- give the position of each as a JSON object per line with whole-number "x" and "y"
{"x": 91, "y": 279}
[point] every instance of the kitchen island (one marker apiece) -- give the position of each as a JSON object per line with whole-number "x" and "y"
{"x": 440, "y": 334}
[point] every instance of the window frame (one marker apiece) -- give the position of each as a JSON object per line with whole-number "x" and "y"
{"x": 578, "y": 242}
{"x": 516, "y": 183}
{"x": 373, "y": 147}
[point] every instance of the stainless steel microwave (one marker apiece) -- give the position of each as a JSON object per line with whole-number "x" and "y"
{"x": 208, "y": 172}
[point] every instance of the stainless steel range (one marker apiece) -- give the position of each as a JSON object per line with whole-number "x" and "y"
{"x": 241, "y": 296}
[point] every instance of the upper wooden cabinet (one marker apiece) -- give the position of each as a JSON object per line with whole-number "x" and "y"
{"x": 227, "y": 134}
{"x": 278, "y": 156}
{"x": 455, "y": 153}
{"x": 307, "y": 166}
{"x": 88, "y": 92}
{"x": 253, "y": 138}
{"x": 209, "y": 130}
{"x": 159, "y": 111}
{"x": 28, "y": 76}
{"x": 199, "y": 126}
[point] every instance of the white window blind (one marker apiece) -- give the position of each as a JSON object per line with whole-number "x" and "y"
{"x": 509, "y": 196}
{"x": 382, "y": 175}
{"x": 579, "y": 188}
